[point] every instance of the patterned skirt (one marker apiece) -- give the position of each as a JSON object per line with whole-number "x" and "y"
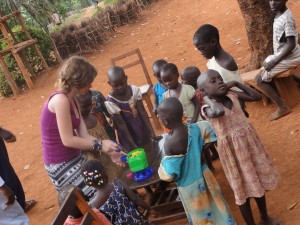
{"x": 69, "y": 173}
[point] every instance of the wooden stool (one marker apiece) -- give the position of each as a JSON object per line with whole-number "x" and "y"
{"x": 287, "y": 87}
{"x": 249, "y": 79}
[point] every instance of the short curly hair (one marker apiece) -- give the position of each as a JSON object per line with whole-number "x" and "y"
{"x": 76, "y": 72}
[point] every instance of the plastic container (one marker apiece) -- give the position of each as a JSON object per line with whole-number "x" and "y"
{"x": 137, "y": 160}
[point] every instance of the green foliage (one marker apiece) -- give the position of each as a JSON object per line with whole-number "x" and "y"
{"x": 45, "y": 48}
{"x": 111, "y": 2}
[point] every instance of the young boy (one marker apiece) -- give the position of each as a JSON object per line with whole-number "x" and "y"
{"x": 207, "y": 40}
{"x": 75, "y": 218}
{"x": 286, "y": 55}
{"x": 158, "y": 89}
{"x": 189, "y": 75}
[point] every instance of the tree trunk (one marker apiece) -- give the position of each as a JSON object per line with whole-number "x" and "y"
{"x": 259, "y": 26}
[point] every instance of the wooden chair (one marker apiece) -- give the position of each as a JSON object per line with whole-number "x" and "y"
{"x": 145, "y": 89}
{"x": 75, "y": 198}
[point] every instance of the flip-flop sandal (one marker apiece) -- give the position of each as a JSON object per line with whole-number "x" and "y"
{"x": 29, "y": 204}
{"x": 278, "y": 115}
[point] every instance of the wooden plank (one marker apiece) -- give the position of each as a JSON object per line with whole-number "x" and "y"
{"x": 131, "y": 64}
{"x": 6, "y": 17}
{"x": 165, "y": 219}
{"x": 127, "y": 54}
{"x": 24, "y": 71}
{"x": 18, "y": 47}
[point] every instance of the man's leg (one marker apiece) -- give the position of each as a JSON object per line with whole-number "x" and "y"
{"x": 271, "y": 92}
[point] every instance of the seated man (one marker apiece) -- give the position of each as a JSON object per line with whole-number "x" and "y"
{"x": 286, "y": 55}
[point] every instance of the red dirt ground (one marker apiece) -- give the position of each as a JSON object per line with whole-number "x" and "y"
{"x": 164, "y": 30}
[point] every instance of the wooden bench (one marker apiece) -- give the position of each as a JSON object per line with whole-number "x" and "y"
{"x": 285, "y": 84}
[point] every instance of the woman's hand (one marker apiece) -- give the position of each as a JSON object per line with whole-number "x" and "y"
{"x": 109, "y": 146}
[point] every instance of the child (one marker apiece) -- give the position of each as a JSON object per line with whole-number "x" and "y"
{"x": 286, "y": 55}
{"x": 99, "y": 109}
{"x": 93, "y": 122}
{"x": 115, "y": 200}
{"x": 247, "y": 166}
{"x": 206, "y": 39}
{"x": 184, "y": 93}
{"x": 189, "y": 75}
{"x": 75, "y": 218}
{"x": 198, "y": 189}
{"x": 158, "y": 89}
{"x": 125, "y": 105}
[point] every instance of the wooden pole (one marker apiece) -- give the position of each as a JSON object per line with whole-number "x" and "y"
{"x": 9, "y": 79}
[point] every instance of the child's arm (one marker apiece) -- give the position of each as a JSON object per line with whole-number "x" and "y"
{"x": 248, "y": 94}
{"x": 155, "y": 102}
{"x": 142, "y": 112}
{"x": 7, "y": 135}
{"x": 197, "y": 109}
{"x": 286, "y": 50}
{"x": 135, "y": 197}
{"x": 122, "y": 127}
{"x": 214, "y": 109}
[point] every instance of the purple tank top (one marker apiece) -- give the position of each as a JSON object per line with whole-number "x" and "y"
{"x": 53, "y": 149}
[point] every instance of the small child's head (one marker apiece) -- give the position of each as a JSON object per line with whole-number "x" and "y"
{"x": 76, "y": 73}
{"x": 85, "y": 102}
{"x": 278, "y": 5}
{"x": 156, "y": 67}
{"x": 211, "y": 83}
{"x": 169, "y": 75}
{"x": 170, "y": 112}
{"x": 94, "y": 173}
{"x": 117, "y": 79}
{"x": 189, "y": 75}
{"x": 63, "y": 194}
{"x": 206, "y": 40}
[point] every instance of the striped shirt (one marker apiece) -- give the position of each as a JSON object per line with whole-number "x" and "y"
{"x": 284, "y": 25}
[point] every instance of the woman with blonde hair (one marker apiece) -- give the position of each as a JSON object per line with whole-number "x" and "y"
{"x": 64, "y": 134}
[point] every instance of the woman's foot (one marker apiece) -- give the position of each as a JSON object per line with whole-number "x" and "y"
{"x": 280, "y": 112}
{"x": 29, "y": 204}
{"x": 270, "y": 221}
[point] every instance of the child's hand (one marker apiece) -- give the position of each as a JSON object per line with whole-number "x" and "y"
{"x": 157, "y": 138}
{"x": 153, "y": 213}
{"x": 7, "y": 135}
{"x": 8, "y": 193}
{"x": 116, "y": 158}
{"x": 270, "y": 65}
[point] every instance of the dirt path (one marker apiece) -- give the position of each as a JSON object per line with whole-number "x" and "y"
{"x": 165, "y": 31}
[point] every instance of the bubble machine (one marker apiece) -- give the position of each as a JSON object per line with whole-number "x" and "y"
{"x": 138, "y": 164}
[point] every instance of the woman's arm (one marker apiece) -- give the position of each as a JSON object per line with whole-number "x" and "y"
{"x": 214, "y": 109}
{"x": 286, "y": 50}
{"x": 60, "y": 105}
{"x": 248, "y": 94}
{"x": 145, "y": 118}
{"x": 121, "y": 126}
{"x": 197, "y": 109}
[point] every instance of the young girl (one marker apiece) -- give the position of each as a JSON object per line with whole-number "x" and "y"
{"x": 247, "y": 166}
{"x": 115, "y": 200}
{"x": 125, "y": 105}
{"x": 184, "y": 93}
{"x": 199, "y": 191}
{"x": 93, "y": 122}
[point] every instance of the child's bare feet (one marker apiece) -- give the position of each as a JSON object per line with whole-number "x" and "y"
{"x": 280, "y": 112}
{"x": 270, "y": 221}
